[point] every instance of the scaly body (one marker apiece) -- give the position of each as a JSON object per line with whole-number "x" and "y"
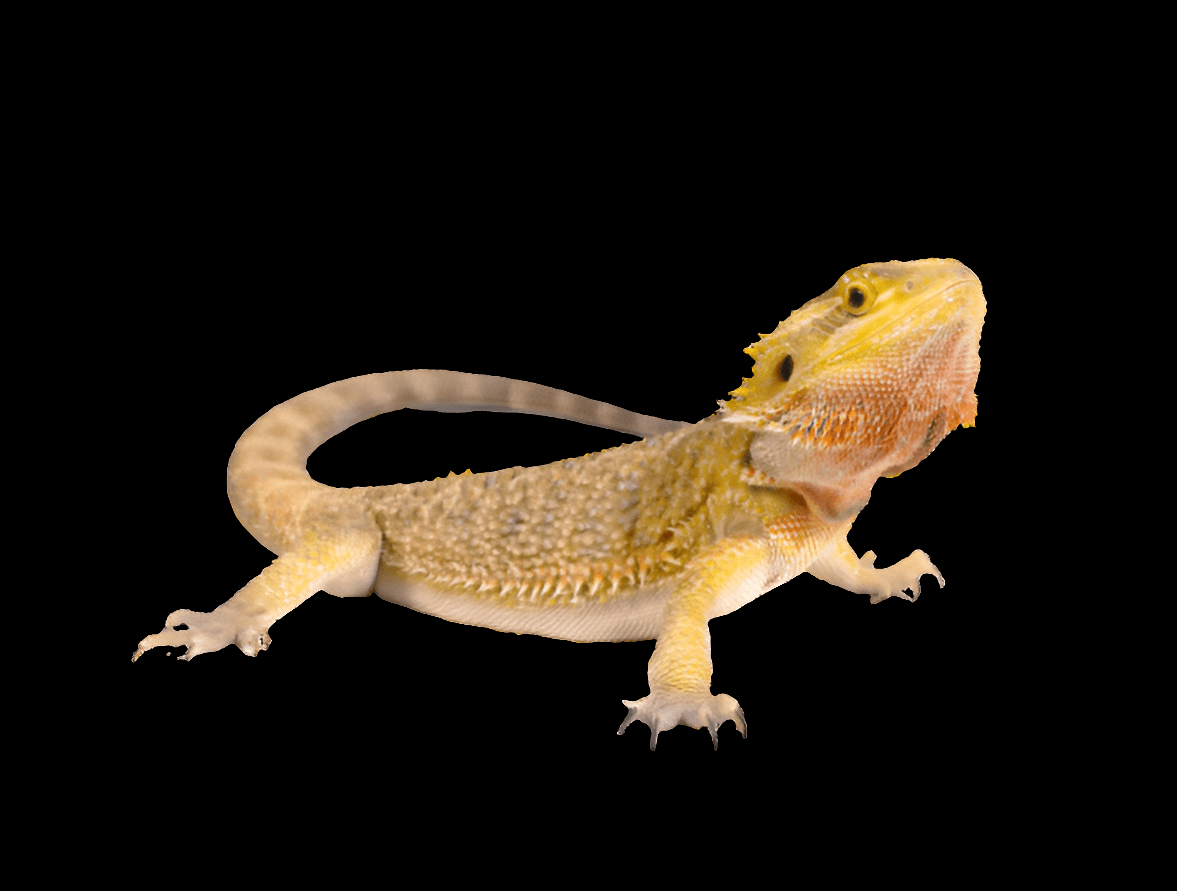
{"x": 647, "y": 540}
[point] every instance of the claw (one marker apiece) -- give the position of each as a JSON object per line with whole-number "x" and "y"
{"x": 207, "y": 633}
{"x": 665, "y": 710}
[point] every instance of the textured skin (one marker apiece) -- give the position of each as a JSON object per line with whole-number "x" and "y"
{"x": 647, "y": 540}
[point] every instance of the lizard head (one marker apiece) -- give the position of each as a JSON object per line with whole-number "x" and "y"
{"x": 863, "y": 381}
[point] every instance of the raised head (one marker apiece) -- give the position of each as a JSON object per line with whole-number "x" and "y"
{"x": 863, "y": 381}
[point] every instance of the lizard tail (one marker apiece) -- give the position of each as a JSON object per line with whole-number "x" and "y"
{"x": 270, "y": 489}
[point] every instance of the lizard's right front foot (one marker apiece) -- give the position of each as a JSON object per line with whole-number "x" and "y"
{"x": 206, "y": 633}
{"x": 667, "y": 709}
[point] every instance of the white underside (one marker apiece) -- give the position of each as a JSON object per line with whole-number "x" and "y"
{"x": 633, "y": 616}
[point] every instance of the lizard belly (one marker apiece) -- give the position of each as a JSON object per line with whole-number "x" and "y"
{"x": 633, "y": 615}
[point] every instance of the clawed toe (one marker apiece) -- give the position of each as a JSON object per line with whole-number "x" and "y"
{"x": 664, "y": 710}
{"x": 207, "y": 632}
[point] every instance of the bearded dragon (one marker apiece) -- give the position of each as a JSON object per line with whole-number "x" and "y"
{"x": 647, "y": 540}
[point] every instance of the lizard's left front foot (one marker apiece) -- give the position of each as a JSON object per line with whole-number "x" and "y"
{"x": 893, "y": 581}
{"x": 664, "y": 710}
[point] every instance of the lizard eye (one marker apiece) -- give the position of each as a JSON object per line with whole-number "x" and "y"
{"x": 857, "y": 297}
{"x": 786, "y": 369}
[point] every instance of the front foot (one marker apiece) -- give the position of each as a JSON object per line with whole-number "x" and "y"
{"x": 664, "y": 710}
{"x": 839, "y": 566}
{"x": 207, "y": 633}
{"x": 894, "y": 581}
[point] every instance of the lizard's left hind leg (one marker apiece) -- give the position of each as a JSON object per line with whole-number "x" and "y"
{"x": 344, "y": 562}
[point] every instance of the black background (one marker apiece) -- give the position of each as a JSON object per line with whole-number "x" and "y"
{"x": 626, "y": 263}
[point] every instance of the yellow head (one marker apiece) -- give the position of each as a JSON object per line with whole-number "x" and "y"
{"x": 863, "y": 381}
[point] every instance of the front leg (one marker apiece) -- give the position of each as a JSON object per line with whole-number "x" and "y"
{"x": 680, "y": 670}
{"x": 839, "y": 565}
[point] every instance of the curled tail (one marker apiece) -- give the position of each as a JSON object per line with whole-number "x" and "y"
{"x": 327, "y": 538}
{"x": 269, "y": 486}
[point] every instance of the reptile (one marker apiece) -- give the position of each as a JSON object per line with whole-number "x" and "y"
{"x": 648, "y": 540}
